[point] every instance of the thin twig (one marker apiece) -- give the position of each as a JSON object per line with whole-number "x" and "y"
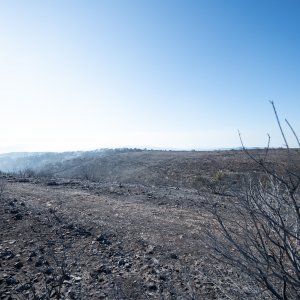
{"x": 279, "y": 125}
{"x": 294, "y": 133}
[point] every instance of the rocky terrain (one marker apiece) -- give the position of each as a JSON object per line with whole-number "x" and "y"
{"x": 68, "y": 238}
{"x": 75, "y": 242}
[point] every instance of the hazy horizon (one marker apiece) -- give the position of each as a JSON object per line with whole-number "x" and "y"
{"x": 153, "y": 74}
{"x": 120, "y": 148}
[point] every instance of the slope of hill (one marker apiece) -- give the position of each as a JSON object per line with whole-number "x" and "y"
{"x": 15, "y": 162}
{"x": 188, "y": 169}
{"x": 37, "y": 161}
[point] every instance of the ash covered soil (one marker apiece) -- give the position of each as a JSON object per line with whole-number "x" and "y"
{"x": 73, "y": 239}
{"x": 125, "y": 242}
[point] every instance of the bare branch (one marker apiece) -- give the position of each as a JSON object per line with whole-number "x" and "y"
{"x": 294, "y": 133}
{"x": 259, "y": 231}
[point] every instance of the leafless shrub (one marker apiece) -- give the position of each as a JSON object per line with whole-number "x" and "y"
{"x": 45, "y": 174}
{"x": 257, "y": 228}
{"x": 88, "y": 172}
{"x": 28, "y": 172}
{"x": 3, "y": 184}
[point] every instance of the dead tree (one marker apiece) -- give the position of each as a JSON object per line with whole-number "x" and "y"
{"x": 257, "y": 231}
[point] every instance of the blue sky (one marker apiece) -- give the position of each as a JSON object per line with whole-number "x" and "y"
{"x": 145, "y": 73}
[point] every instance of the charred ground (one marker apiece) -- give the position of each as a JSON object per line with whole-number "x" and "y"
{"x": 123, "y": 226}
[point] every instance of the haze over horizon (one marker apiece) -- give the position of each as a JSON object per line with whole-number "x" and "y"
{"x": 169, "y": 74}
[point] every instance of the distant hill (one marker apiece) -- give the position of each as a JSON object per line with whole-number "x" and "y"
{"x": 191, "y": 169}
{"x": 41, "y": 161}
{"x": 20, "y": 161}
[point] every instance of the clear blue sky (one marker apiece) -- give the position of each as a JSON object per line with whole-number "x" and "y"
{"x": 146, "y": 73}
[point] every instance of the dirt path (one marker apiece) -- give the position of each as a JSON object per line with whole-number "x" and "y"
{"x": 173, "y": 228}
